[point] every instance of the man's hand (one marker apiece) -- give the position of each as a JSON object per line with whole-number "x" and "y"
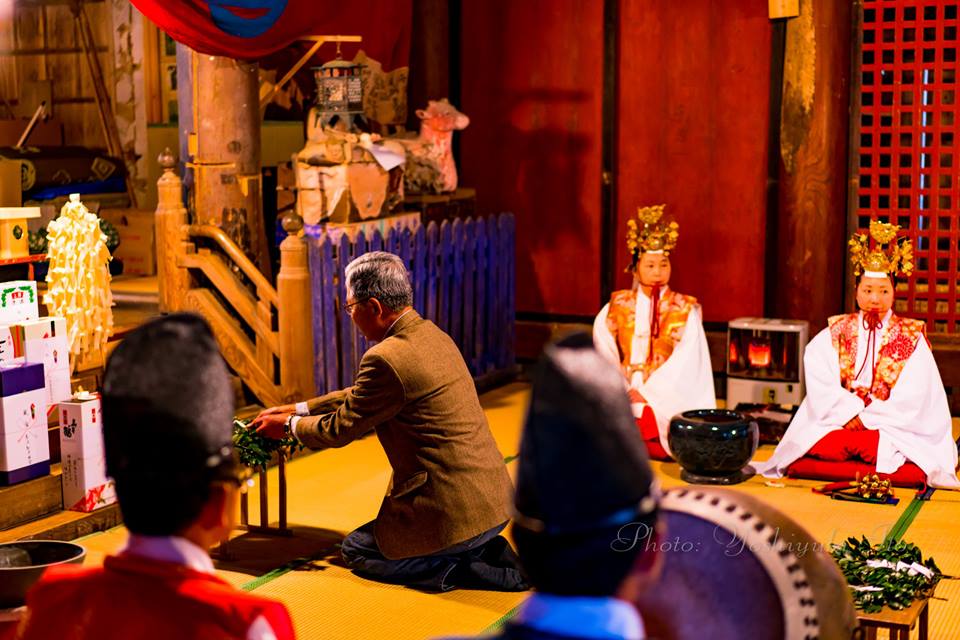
{"x": 635, "y": 396}
{"x": 285, "y": 409}
{"x": 854, "y": 424}
{"x": 271, "y": 426}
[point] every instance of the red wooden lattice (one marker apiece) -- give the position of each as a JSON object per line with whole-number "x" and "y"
{"x": 908, "y": 155}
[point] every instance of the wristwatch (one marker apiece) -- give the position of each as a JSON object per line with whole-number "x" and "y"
{"x": 288, "y": 425}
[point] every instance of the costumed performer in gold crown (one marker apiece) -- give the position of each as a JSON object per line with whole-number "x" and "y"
{"x": 656, "y": 335}
{"x": 874, "y": 394}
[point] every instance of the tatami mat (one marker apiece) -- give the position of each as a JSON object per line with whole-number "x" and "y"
{"x": 828, "y": 521}
{"x": 332, "y": 492}
{"x": 329, "y": 602}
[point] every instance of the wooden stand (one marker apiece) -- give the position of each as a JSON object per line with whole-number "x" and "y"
{"x": 898, "y": 622}
{"x": 264, "y": 527}
{"x": 222, "y": 551}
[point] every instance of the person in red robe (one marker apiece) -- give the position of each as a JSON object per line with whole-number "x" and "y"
{"x": 655, "y": 335}
{"x": 875, "y": 402}
{"x": 167, "y": 417}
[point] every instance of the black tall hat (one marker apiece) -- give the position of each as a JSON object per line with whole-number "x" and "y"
{"x": 583, "y": 465}
{"x": 167, "y": 402}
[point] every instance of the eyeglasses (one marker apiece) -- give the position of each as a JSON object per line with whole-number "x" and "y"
{"x": 349, "y": 308}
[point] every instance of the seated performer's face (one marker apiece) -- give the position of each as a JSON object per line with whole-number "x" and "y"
{"x": 652, "y": 269}
{"x": 875, "y": 294}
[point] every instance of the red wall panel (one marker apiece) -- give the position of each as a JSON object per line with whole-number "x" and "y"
{"x": 693, "y": 133}
{"x": 532, "y": 75}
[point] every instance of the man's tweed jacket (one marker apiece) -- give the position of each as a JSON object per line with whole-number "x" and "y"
{"x": 449, "y": 480}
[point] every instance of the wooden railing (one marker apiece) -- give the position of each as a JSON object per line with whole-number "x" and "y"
{"x": 462, "y": 273}
{"x": 239, "y": 307}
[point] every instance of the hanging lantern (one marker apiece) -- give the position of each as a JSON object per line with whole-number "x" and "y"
{"x": 339, "y": 87}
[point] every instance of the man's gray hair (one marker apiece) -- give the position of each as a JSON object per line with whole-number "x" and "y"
{"x": 380, "y": 275}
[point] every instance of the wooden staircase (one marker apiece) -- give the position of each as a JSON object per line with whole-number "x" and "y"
{"x": 201, "y": 269}
{"x": 235, "y": 346}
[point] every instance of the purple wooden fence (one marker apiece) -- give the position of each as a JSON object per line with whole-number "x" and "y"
{"x": 463, "y": 280}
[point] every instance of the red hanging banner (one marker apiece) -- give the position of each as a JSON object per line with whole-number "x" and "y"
{"x": 251, "y": 29}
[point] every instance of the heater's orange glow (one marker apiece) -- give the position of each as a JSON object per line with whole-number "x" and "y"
{"x": 758, "y": 353}
{"x": 734, "y": 352}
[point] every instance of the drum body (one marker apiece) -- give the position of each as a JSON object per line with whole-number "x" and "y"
{"x": 735, "y": 568}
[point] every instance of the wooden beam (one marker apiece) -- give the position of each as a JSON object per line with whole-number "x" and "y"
{"x": 73, "y": 100}
{"x": 30, "y": 500}
{"x": 48, "y": 51}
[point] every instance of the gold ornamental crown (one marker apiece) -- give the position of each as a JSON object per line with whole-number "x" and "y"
{"x": 656, "y": 234}
{"x": 888, "y": 255}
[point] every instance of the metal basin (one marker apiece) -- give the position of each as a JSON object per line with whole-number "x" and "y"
{"x": 713, "y": 445}
{"x": 16, "y": 581}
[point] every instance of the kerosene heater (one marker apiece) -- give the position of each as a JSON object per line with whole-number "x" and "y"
{"x": 765, "y": 361}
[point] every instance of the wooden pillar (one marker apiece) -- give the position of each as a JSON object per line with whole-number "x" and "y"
{"x": 810, "y": 222}
{"x": 171, "y": 216}
{"x": 295, "y": 314}
{"x": 429, "y": 57}
{"x": 226, "y": 155}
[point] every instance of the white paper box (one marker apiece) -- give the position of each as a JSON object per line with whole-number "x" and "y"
{"x": 23, "y": 430}
{"x": 81, "y": 427}
{"x": 45, "y": 341}
{"x": 85, "y": 483}
{"x": 23, "y": 448}
{"x": 18, "y": 301}
{"x": 53, "y": 352}
{"x": 58, "y": 386}
{"x": 43, "y": 328}
{"x": 11, "y": 345}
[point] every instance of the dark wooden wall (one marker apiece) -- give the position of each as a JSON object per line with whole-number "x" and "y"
{"x": 693, "y": 133}
{"x": 692, "y": 109}
{"x": 431, "y": 50}
{"x": 531, "y": 82}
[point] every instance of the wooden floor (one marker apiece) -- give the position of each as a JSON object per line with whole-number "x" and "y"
{"x": 333, "y": 491}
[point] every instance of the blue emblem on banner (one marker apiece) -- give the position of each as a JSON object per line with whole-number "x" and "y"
{"x": 246, "y": 27}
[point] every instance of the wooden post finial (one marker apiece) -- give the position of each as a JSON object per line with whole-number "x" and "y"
{"x": 292, "y": 223}
{"x": 167, "y": 160}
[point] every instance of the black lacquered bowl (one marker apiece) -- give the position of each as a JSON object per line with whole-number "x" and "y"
{"x": 16, "y": 581}
{"x": 713, "y": 445}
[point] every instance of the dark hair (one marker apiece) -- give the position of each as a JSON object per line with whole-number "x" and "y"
{"x": 380, "y": 275}
{"x": 167, "y": 409}
{"x": 165, "y": 486}
{"x": 582, "y": 564}
{"x": 160, "y": 504}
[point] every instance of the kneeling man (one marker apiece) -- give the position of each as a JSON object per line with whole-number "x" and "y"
{"x": 439, "y": 524}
